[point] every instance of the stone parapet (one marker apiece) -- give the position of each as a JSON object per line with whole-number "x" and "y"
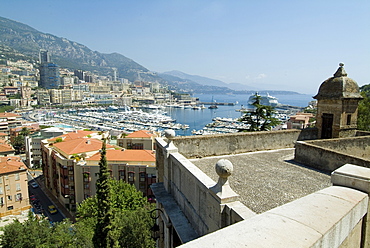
{"x": 355, "y": 177}
{"x": 331, "y": 154}
{"x": 328, "y": 218}
{"x": 205, "y": 204}
{"x": 226, "y": 144}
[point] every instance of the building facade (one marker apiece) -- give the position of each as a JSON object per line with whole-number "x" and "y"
{"x": 49, "y": 76}
{"x": 13, "y": 186}
{"x": 71, "y": 167}
{"x": 8, "y": 121}
{"x": 139, "y": 140}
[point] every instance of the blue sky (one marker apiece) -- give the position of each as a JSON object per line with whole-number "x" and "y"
{"x": 272, "y": 45}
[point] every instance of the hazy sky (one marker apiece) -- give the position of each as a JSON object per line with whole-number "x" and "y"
{"x": 271, "y": 44}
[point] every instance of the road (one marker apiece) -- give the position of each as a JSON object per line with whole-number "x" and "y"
{"x": 43, "y": 201}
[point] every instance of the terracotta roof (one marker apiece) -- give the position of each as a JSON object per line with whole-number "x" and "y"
{"x": 73, "y": 135}
{"x": 3, "y": 134}
{"x": 11, "y": 164}
{"x": 126, "y": 155}
{"x": 80, "y": 145}
{"x": 6, "y": 147}
{"x": 6, "y": 114}
{"x": 140, "y": 134}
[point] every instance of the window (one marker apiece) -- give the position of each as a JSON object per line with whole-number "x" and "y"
{"x": 1, "y": 201}
{"x": 10, "y": 208}
{"x": 121, "y": 174}
{"x": 142, "y": 176}
{"x": 142, "y": 185}
{"x": 131, "y": 177}
{"x": 1, "y": 191}
{"x": 18, "y": 186}
{"x": 349, "y": 119}
{"x": 18, "y": 197}
{"x": 86, "y": 176}
{"x": 138, "y": 146}
{"x": 9, "y": 197}
{"x": 17, "y": 176}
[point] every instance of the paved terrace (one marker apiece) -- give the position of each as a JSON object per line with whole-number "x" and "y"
{"x": 267, "y": 179}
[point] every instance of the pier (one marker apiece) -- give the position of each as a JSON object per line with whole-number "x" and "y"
{"x": 218, "y": 103}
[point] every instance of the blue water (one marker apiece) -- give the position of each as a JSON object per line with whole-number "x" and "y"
{"x": 63, "y": 126}
{"x": 197, "y": 119}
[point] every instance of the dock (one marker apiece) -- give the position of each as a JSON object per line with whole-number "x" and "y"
{"x": 218, "y": 103}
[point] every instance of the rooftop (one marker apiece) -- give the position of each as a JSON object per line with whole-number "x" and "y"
{"x": 80, "y": 145}
{"x": 11, "y": 164}
{"x": 267, "y": 179}
{"x": 140, "y": 134}
{"x": 127, "y": 155}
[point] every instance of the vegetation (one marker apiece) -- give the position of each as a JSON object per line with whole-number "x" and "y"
{"x": 6, "y": 108}
{"x": 261, "y": 118}
{"x": 104, "y": 215}
{"x": 363, "y": 121}
{"x": 35, "y": 232}
{"x": 18, "y": 142}
{"x": 117, "y": 216}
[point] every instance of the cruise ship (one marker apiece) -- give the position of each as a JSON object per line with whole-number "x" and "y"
{"x": 265, "y": 100}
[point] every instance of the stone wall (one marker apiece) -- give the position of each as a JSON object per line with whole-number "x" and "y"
{"x": 330, "y": 154}
{"x": 332, "y": 217}
{"x": 207, "y": 205}
{"x": 215, "y": 145}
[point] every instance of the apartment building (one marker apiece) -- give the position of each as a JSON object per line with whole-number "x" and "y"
{"x": 71, "y": 166}
{"x": 33, "y": 144}
{"x": 140, "y": 140}
{"x": 300, "y": 121}
{"x": 8, "y": 121}
{"x": 136, "y": 167}
{"x": 13, "y": 186}
{"x": 60, "y": 162}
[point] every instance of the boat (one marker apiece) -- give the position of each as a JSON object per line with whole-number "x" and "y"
{"x": 112, "y": 107}
{"x": 265, "y": 100}
{"x": 213, "y": 106}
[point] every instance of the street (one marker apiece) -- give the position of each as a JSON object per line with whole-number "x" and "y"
{"x": 42, "y": 202}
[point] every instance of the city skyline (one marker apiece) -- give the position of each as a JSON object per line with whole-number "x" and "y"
{"x": 272, "y": 45}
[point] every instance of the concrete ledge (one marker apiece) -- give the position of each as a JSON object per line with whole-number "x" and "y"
{"x": 323, "y": 219}
{"x": 352, "y": 176}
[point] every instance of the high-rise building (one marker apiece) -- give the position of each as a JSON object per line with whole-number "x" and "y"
{"x": 44, "y": 56}
{"x": 49, "y": 76}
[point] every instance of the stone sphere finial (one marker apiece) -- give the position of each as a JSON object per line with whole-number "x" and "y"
{"x": 224, "y": 168}
{"x": 341, "y": 64}
{"x": 169, "y": 133}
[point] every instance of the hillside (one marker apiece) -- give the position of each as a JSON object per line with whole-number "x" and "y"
{"x": 66, "y": 53}
{"x": 18, "y": 40}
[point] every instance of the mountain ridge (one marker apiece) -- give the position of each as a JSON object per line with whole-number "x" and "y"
{"x": 73, "y": 55}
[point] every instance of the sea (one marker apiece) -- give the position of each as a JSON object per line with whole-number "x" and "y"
{"x": 197, "y": 119}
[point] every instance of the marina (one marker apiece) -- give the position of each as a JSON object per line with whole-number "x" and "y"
{"x": 186, "y": 120}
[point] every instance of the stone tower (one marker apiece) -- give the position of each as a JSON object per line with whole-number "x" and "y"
{"x": 25, "y": 95}
{"x": 337, "y": 106}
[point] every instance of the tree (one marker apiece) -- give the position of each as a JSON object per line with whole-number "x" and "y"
{"x": 261, "y": 118}
{"x": 104, "y": 214}
{"x": 18, "y": 142}
{"x": 363, "y": 120}
{"x": 36, "y": 232}
{"x": 131, "y": 220}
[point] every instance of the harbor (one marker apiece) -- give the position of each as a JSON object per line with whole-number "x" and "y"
{"x": 186, "y": 120}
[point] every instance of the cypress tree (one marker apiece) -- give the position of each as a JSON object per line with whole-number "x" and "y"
{"x": 103, "y": 225}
